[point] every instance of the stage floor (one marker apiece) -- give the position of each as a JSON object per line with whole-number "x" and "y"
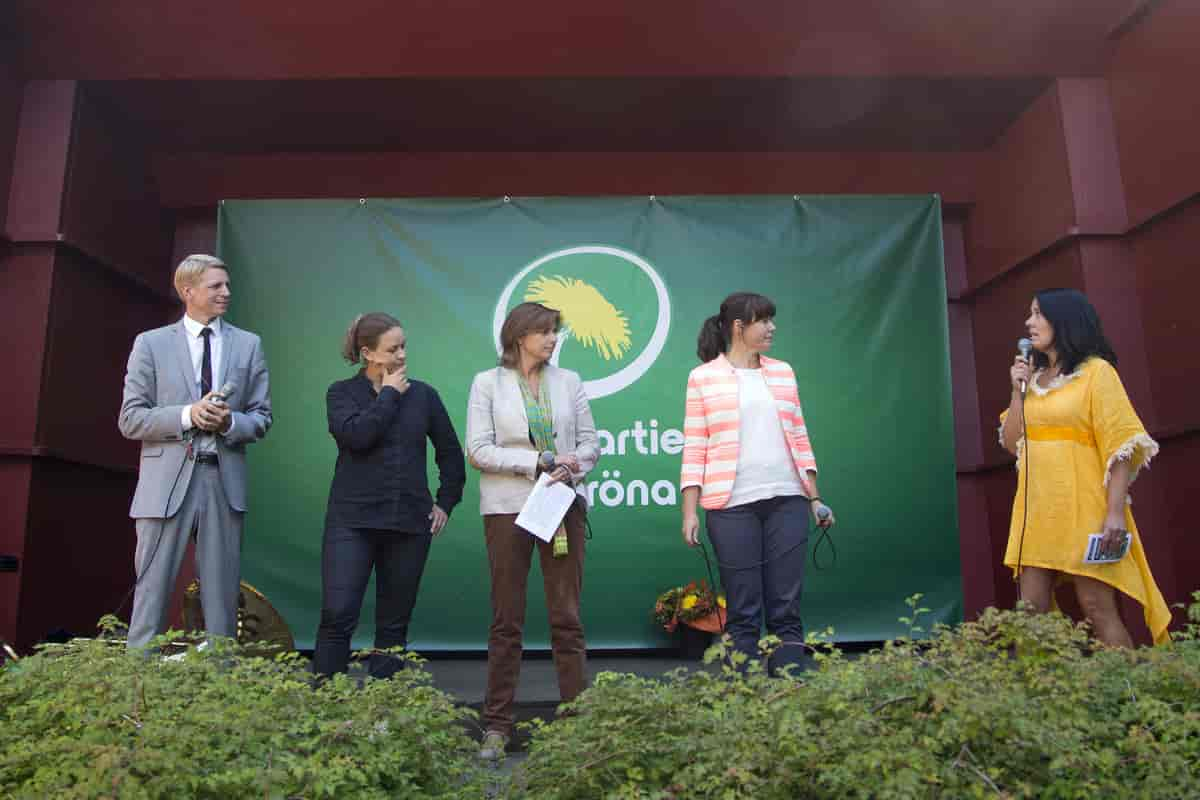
{"x": 466, "y": 678}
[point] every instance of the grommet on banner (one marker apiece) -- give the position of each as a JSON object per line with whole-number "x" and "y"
{"x": 651, "y": 198}
{"x": 795, "y": 197}
{"x": 362, "y": 201}
{"x": 507, "y": 198}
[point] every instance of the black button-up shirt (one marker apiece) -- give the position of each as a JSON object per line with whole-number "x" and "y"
{"x": 380, "y": 478}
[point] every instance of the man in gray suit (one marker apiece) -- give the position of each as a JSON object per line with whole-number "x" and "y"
{"x": 196, "y": 393}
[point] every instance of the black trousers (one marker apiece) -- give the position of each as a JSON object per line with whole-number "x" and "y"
{"x": 761, "y": 549}
{"x": 347, "y": 557}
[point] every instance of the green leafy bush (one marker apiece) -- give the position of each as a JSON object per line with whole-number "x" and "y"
{"x": 1012, "y": 705}
{"x": 86, "y": 720}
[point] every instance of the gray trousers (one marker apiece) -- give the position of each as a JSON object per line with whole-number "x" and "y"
{"x": 161, "y": 545}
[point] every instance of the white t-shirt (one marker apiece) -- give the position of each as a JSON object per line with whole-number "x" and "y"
{"x": 765, "y": 467}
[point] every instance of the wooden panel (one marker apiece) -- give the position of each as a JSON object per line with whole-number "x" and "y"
{"x": 976, "y": 545}
{"x": 998, "y": 487}
{"x": 968, "y": 441}
{"x": 1153, "y": 79}
{"x": 1092, "y": 158}
{"x": 10, "y": 109}
{"x": 110, "y": 204}
{"x": 40, "y": 161}
{"x": 26, "y": 277}
{"x": 94, "y": 319}
{"x": 195, "y": 232}
{"x": 954, "y": 246}
{"x": 1168, "y": 281}
{"x": 968, "y": 434}
{"x": 78, "y": 563}
{"x": 571, "y": 114}
{"x": 1111, "y": 282}
{"x": 188, "y": 181}
{"x": 1024, "y": 196}
{"x": 15, "y": 475}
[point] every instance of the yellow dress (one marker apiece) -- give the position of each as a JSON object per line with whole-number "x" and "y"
{"x": 1077, "y": 428}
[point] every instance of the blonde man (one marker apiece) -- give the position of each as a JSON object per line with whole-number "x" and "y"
{"x": 196, "y": 393}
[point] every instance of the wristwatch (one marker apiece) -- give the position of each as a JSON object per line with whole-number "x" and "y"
{"x": 546, "y": 460}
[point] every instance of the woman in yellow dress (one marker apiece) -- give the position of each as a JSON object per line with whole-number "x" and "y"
{"x": 1078, "y": 449}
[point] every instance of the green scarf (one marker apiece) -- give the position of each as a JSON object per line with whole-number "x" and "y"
{"x": 540, "y": 414}
{"x": 541, "y": 430}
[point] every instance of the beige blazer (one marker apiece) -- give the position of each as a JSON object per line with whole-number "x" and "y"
{"x": 498, "y": 434}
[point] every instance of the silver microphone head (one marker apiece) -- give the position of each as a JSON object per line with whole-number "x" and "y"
{"x": 1025, "y": 346}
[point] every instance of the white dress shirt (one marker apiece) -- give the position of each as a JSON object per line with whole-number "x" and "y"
{"x": 204, "y": 441}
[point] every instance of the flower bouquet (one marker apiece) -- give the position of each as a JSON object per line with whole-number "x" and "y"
{"x": 695, "y": 605}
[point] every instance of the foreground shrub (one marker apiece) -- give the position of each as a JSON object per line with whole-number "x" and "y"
{"x": 86, "y": 720}
{"x": 1013, "y": 705}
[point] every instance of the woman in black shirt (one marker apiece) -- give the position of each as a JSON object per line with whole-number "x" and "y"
{"x": 380, "y": 511}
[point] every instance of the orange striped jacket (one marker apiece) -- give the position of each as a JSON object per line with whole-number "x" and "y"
{"x": 710, "y": 427}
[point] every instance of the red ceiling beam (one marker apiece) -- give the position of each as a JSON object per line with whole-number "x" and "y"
{"x": 282, "y": 39}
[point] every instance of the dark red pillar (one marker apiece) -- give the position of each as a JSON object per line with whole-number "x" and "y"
{"x": 83, "y": 270}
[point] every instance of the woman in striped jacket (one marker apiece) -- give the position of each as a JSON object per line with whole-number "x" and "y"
{"x": 747, "y": 460}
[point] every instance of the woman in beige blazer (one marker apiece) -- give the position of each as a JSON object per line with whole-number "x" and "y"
{"x": 526, "y": 417}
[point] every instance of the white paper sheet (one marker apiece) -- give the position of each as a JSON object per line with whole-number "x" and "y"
{"x": 548, "y": 503}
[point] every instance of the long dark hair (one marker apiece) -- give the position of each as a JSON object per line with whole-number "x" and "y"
{"x": 717, "y": 331}
{"x": 1078, "y": 334}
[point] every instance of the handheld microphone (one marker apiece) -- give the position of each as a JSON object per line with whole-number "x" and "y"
{"x": 223, "y": 394}
{"x": 1026, "y": 347}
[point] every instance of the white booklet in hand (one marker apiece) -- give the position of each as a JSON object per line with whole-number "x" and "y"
{"x": 548, "y": 503}
{"x": 1094, "y": 555}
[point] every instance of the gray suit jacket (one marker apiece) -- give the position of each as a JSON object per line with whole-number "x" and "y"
{"x": 159, "y": 382}
{"x": 498, "y": 434}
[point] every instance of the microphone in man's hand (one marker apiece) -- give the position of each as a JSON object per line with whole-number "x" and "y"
{"x": 1026, "y": 347}
{"x": 222, "y": 395}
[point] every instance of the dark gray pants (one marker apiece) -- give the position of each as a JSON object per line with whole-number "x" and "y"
{"x": 161, "y": 544}
{"x": 761, "y": 548}
{"x": 347, "y": 557}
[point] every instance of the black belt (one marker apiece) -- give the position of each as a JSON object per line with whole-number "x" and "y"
{"x": 206, "y": 458}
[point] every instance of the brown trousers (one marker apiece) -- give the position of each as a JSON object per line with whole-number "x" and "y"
{"x": 510, "y": 552}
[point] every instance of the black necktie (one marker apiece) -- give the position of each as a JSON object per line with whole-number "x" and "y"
{"x": 206, "y": 363}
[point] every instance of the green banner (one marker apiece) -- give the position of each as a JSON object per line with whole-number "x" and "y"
{"x": 860, "y": 289}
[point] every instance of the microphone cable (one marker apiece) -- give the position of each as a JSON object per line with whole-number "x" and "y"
{"x": 824, "y": 535}
{"x": 1025, "y": 347}
{"x": 714, "y": 584}
{"x": 1023, "y": 456}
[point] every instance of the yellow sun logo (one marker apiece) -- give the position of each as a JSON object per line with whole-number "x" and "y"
{"x": 587, "y": 315}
